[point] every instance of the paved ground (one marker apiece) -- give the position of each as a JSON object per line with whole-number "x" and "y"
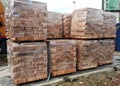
{"x": 5, "y": 79}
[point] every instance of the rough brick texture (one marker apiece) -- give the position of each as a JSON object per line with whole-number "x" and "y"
{"x": 90, "y": 53}
{"x": 87, "y": 54}
{"x": 67, "y": 19}
{"x": 55, "y": 25}
{"x": 27, "y": 61}
{"x": 28, "y": 21}
{"x": 63, "y": 57}
{"x": 106, "y": 51}
{"x": 92, "y": 23}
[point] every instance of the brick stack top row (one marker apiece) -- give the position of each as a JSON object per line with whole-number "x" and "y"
{"x": 92, "y": 23}
{"x": 30, "y": 21}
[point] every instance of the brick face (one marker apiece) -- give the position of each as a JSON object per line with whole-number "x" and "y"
{"x": 91, "y": 53}
{"x": 92, "y": 23}
{"x": 31, "y": 22}
{"x": 67, "y": 19}
{"x": 106, "y": 51}
{"x": 27, "y": 61}
{"x": 55, "y": 27}
{"x": 28, "y": 21}
{"x": 87, "y": 54}
{"x": 63, "y": 56}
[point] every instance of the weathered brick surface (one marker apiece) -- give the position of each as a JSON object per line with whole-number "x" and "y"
{"x": 27, "y": 61}
{"x": 67, "y": 19}
{"x": 28, "y": 21}
{"x": 87, "y": 54}
{"x": 106, "y": 51}
{"x": 90, "y": 53}
{"x": 109, "y": 22}
{"x": 63, "y": 56}
{"x": 55, "y": 25}
{"x": 92, "y": 23}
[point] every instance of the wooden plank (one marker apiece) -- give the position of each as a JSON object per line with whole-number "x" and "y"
{"x": 92, "y": 37}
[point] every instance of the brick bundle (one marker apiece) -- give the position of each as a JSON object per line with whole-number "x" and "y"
{"x": 109, "y": 22}
{"x": 7, "y": 23}
{"x": 67, "y": 19}
{"x": 106, "y": 51}
{"x": 91, "y": 53}
{"x": 55, "y": 27}
{"x": 63, "y": 57}
{"x": 87, "y": 54}
{"x": 28, "y": 21}
{"x": 27, "y": 61}
{"x": 92, "y": 23}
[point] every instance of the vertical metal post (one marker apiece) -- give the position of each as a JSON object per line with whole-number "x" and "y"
{"x": 49, "y": 61}
{"x": 103, "y": 5}
{"x": 74, "y": 5}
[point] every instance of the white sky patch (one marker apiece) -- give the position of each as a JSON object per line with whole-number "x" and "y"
{"x": 66, "y": 6}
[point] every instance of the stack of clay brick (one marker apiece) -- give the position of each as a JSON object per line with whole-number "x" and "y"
{"x": 95, "y": 33}
{"x": 106, "y": 51}
{"x": 62, "y": 52}
{"x": 63, "y": 56}
{"x": 27, "y": 61}
{"x": 92, "y": 23}
{"x": 38, "y": 42}
{"x": 27, "y": 21}
{"x": 55, "y": 28}
{"x": 91, "y": 53}
{"x": 67, "y": 19}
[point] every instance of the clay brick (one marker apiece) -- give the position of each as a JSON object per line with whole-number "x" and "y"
{"x": 67, "y": 19}
{"x": 91, "y": 53}
{"x": 87, "y": 54}
{"x": 92, "y": 23}
{"x": 27, "y": 61}
{"x": 106, "y": 51}
{"x": 28, "y": 21}
{"x": 55, "y": 27}
{"x": 63, "y": 57}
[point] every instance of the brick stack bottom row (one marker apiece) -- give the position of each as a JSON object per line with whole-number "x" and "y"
{"x": 29, "y": 61}
{"x": 63, "y": 56}
{"x": 92, "y": 53}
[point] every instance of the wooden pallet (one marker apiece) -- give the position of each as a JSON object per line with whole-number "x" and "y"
{"x": 56, "y": 73}
{"x": 105, "y": 62}
{"x": 24, "y": 39}
{"x": 29, "y": 79}
{"x": 92, "y": 37}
